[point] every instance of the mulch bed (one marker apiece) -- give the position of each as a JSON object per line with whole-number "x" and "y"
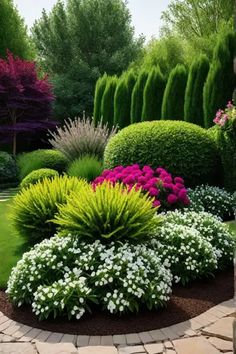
{"x": 186, "y": 302}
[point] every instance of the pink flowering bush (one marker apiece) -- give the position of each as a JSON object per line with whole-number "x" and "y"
{"x": 226, "y": 119}
{"x": 169, "y": 192}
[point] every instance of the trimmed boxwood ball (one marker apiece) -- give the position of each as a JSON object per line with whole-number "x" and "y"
{"x": 8, "y": 168}
{"x": 38, "y": 175}
{"x": 184, "y": 149}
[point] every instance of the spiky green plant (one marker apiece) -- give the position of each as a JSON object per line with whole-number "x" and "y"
{"x": 110, "y": 212}
{"x": 34, "y": 207}
{"x": 88, "y": 167}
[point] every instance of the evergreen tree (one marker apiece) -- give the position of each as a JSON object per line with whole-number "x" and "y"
{"x": 107, "y": 104}
{"x": 173, "y": 100}
{"x": 99, "y": 91}
{"x": 221, "y": 78}
{"x": 137, "y": 97}
{"x": 193, "y": 105}
{"x": 153, "y": 95}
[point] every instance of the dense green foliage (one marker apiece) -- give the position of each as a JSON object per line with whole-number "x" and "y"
{"x": 80, "y": 40}
{"x": 220, "y": 82}
{"x": 107, "y": 104}
{"x": 8, "y": 168}
{"x": 87, "y": 167}
{"x": 193, "y": 105}
{"x": 38, "y": 175}
{"x": 172, "y": 145}
{"x": 99, "y": 91}
{"x": 13, "y": 33}
{"x": 137, "y": 97}
{"x": 34, "y": 208}
{"x": 173, "y": 100}
{"x": 42, "y": 158}
{"x": 107, "y": 213}
{"x": 153, "y": 95}
{"x": 227, "y": 146}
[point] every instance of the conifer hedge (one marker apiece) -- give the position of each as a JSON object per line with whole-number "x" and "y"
{"x": 107, "y": 104}
{"x": 137, "y": 97}
{"x": 99, "y": 91}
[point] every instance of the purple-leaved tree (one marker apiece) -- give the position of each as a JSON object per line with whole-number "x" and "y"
{"x": 25, "y": 99}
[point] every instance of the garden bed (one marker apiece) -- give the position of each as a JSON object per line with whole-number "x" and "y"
{"x": 186, "y": 302}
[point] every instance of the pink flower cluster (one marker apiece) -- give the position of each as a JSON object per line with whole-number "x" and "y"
{"x": 222, "y": 118}
{"x": 168, "y": 192}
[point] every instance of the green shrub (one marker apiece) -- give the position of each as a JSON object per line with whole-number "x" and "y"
{"x": 181, "y": 148}
{"x": 44, "y": 158}
{"x": 99, "y": 91}
{"x": 38, "y": 175}
{"x": 137, "y": 97}
{"x": 193, "y": 106}
{"x": 34, "y": 208}
{"x": 153, "y": 95}
{"x": 227, "y": 146}
{"x": 107, "y": 104}
{"x": 173, "y": 100}
{"x": 88, "y": 167}
{"x": 8, "y": 168}
{"x": 107, "y": 213}
{"x": 64, "y": 276}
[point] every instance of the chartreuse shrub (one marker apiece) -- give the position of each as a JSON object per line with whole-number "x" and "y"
{"x": 193, "y": 105}
{"x": 107, "y": 104}
{"x": 42, "y": 158}
{"x": 137, "y": 97}
{"x": 211, "y": 199}
{"x": 99, "y": 91}
{"x": 107, "y": 212}
{"x": 38, "y": 175}
{"x": 210, "y": 228}
{"x": 34, "y": 208}
{"x": 65, "y": 276}
{"x": 173, "y": 99}
{"x": 183, "y": 149}
{"x": 8, "y": 168}
{"x": 87, "y": 167}
{"x": 153, "y": 95}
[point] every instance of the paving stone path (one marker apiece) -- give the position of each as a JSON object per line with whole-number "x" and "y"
{"x": 7, "y": 194}
{"x": 208, "y": 333}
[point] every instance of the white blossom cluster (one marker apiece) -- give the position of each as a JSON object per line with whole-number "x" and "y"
{"x": 183, "y": 249}
{"x": 214, "y": 200}
{"x": 64, "y": 276}
{"x": 210, "y": 228}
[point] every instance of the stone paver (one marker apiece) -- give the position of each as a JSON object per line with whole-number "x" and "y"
{"x": 95, "y": 340}
{"x": 31, "y": 335}
{"x": 194, "y": 345}
{"x": 82, "y": 341}
{"x": 59, "y": 348}
{"x": 97, "y": 350}
{"x": 22, "y": 331}
{"x": 68, "y": 338}
{"x": 17, "y": 348}
{"x": 154, "y": 348}
{"x": 107, "y": 340}
{"x": 145, "y": 337}
{"x": 157, "y": 335}
{"x": 42, "y": 336}
{"x": 119, "y": 339}
{"x": 223, "y": 328}
{"x": 223, "y": 345}
{"x": 133, "y": 338}
{"x": 54, "y": 338}
{"x": 132, "y": 349}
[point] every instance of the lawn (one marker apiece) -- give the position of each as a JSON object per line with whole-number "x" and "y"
{"x": 12, "y": 246}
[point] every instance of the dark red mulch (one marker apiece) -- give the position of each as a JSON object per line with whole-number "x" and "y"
{"x": 186, "y": 302}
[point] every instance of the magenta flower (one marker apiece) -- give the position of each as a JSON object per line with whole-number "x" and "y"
{"x": 172, "y": 198}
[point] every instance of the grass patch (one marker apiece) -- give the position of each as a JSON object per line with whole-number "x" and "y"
{"x": 12, "y": 246}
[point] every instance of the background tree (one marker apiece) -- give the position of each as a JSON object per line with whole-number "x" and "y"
{"x": 107, "y": 104}
{"x": 96, "y": 34}
{"x": 153, "y": 95}
{"x": 193, "y": 106}
{"x": 173, "y": 100}
{"x": 220, "y": 81}
{"x": 99, "y": 91}
{"x": 13, "y": 35}
{"x": 25, "y": 100}
{"x": 137, "y": 97}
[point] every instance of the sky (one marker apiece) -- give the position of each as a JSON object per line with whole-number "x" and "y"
{"x": 146, "y": 14}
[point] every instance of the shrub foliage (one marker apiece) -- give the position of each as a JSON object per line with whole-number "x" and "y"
{"x": 38, "y": 175}
{"x": 87, "y": 167}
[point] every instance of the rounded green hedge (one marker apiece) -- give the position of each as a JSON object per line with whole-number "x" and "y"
{"x": 182, "y": 148}
{"x": 8, "y": 168}
{"x": 42, "y": 158}
{"x": 38, "y": 175}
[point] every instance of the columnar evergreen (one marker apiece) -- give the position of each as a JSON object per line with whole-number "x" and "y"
{"x": 137, "y": 97}
{"x": 193, "y": 106}
{"x": 221, "y": 78}
{"x": 173, "y": 100}
{"x": 153, "y": 95}
{"x": 107, "y": 104}
{"x": 99, "y": 91}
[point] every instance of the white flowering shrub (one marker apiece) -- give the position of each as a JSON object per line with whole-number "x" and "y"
{"x": 211, "y": 229}
{"x": 214, "y": 200}
{"x": 182, "y": 248}
{"x": 64, "y": 276}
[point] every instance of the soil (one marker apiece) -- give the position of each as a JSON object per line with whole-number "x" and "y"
{"x": 185, "y": 303}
